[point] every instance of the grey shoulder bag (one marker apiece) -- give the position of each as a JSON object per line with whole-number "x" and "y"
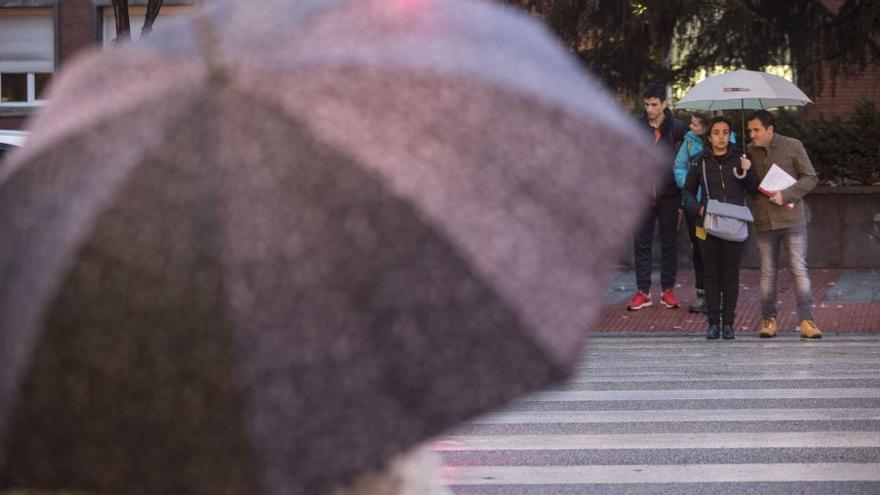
{"x": 725, "y": 220}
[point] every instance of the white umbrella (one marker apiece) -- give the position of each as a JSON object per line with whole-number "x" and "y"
{"x": 743, "y": 89}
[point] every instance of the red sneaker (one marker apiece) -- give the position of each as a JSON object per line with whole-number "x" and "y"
{"x": 668, "y": 299}
{"x": 639, "y": 300}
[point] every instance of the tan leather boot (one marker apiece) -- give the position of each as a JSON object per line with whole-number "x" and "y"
{"x": 809, "y": 330}
{"x": 768, "y": 327}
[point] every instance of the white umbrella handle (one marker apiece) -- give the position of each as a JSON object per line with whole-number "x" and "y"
{"x": 744, "y": 172}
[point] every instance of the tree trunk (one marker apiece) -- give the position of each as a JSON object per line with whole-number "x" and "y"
{"x": 153, "y": 7}
{"x": 123, "y": 28}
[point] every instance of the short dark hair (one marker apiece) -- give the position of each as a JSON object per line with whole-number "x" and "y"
{"x": 655, "y": 91}
{"x": 703, "y": 117}
{"x": 716, "y": 120}
{"x": 764, "y": 116}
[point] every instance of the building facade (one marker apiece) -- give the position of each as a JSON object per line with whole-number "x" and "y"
{"x": 38, "y": 36}
{"x": 840, "y": 101}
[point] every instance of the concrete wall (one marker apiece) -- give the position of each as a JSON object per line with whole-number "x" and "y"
{"x": 843, "y": 229}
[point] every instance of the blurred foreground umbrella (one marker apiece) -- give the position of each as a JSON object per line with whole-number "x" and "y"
{"x": 741, "y": 90}
{"x": 280, "y": 242}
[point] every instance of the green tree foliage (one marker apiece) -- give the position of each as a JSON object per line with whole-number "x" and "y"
{"x": 844, "y": 151}
{"x": 628, "y": 43}
{"x": 801, "y": 33}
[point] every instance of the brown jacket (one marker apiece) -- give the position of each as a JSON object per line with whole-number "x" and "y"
{"x": 790, "y": 155}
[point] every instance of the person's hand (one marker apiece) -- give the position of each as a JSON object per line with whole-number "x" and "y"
{"x": 776, "y": 198}
{"x": 702, "y": 211}
{"x": 744, "y": 163}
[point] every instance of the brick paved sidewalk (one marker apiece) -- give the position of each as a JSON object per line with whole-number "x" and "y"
{"x": 844, "y": 301}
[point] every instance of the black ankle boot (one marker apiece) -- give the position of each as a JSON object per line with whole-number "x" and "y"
{"x": 713, "y": 331}
{"x": 727, "y": 332}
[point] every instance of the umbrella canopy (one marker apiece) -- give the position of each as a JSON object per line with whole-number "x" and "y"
{"x": 743, "y": 89}
{"x": 281, "y": 241}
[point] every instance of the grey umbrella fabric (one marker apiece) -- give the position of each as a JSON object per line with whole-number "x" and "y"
{"x": 280, "y": 242}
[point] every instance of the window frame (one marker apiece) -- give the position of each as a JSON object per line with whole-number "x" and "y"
{"x": 32, "y": 99}
{"x": 31, "y": 91}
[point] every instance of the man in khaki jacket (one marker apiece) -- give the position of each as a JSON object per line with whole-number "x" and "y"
{"x": 780, "y": 225}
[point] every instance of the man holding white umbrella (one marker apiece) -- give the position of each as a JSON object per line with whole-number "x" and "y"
{"x": 779, "y": 219}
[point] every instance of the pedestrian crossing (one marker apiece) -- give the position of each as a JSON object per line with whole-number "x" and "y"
{"x": 685, "y": 415}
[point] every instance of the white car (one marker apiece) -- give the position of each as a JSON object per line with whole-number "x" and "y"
{"x": 10, "y": 140}
{"x": 15, "y": 138}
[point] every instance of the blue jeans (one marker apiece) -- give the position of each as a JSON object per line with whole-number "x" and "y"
{"x": 794, "y": 240}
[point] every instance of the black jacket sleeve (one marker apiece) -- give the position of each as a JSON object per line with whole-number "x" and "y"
{"x": 691, "y": 184}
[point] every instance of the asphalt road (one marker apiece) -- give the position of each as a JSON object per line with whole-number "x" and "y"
{"x": 683, "y": 415}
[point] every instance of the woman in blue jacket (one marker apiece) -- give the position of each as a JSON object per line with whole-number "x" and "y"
{"x": 691, "y": 147}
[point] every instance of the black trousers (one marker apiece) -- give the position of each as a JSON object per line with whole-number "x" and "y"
{"x": 662, "y": 211}
{"x": 721, "y": 261}
{"x": 696, "y": 255}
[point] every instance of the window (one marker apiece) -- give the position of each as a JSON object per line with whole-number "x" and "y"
{"x": 27, "y": 55}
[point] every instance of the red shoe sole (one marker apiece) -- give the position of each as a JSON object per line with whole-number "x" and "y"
{"x": 636, "y": 308}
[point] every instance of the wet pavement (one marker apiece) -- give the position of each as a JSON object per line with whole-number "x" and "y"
{"x": 845, "y": 301}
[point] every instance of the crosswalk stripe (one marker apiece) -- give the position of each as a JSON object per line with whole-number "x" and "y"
{"x": 858, "y": 364}
{"x": 687, "y": 377}
{"x": 826, "y": 439}
{"x": 715, "y": 394}
{"x": 688, "y": 358}
{"x": 729, "y": 358}
{"x": 678, "y": 410}
{"x": 679, "y": 415}
{"x": 713, "y": 375}
{"x": 720, "y": 370}
{"x": 692, "y": 473}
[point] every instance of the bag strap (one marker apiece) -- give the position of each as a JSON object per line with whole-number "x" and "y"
{"x": 706, "y": 182}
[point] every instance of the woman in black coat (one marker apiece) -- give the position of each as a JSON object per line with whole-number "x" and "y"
{"x": 728, "y": 178}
